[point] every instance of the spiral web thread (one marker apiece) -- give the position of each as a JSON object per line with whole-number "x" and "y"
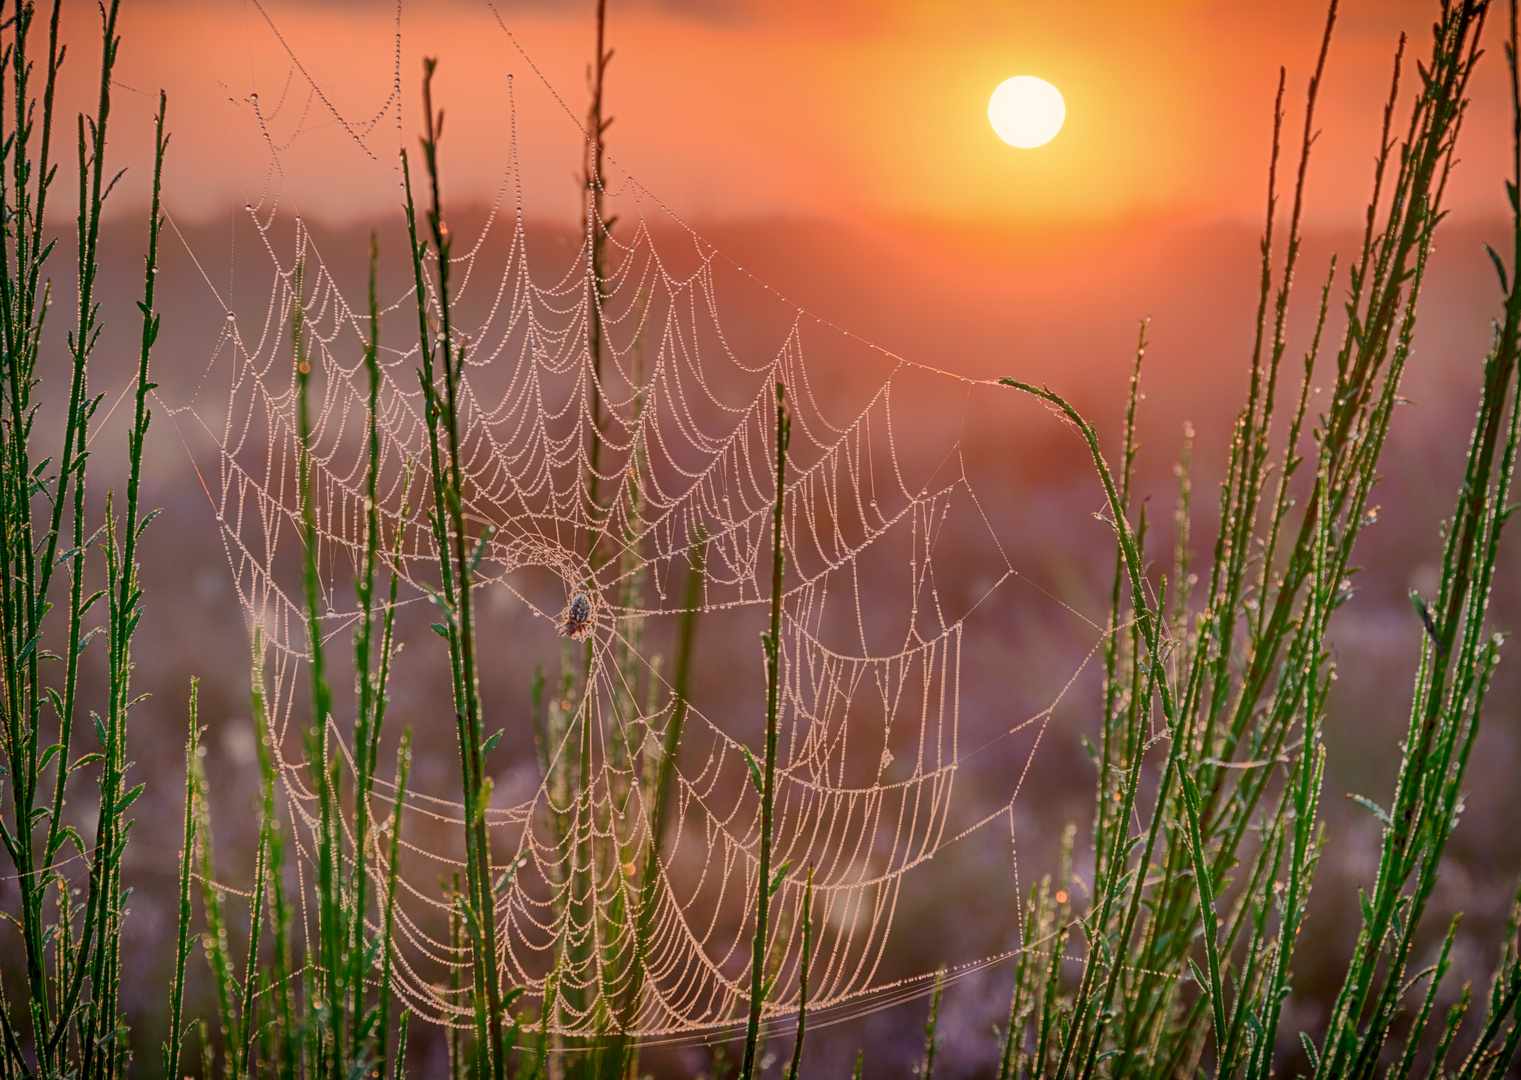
{"x": 870, "y": 710}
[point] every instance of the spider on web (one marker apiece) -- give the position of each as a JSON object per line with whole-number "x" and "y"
{"x": 577, "y": 618}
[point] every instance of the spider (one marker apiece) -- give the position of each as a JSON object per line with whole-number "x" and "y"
{"x": 577, "y": 618}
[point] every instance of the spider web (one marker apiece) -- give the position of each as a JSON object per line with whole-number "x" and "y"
{"x": 679, "y": 414}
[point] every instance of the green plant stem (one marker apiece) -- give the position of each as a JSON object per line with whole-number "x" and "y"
{"x": 216, "y": 944}
{"x": 449, "y": 525}
{"x": 25, "y": 597}
{"x": 174, "y": 1044}
{"x": 321, "y": 761}
{"x": 1203, "y": 874}
{"x": 802, "y": 978}
{"x": 91, "y": 955}
{"x": 401, "y": 1047}
{"x": 393, "y": 876}
{"x": 272, "y": 843}
{"x": 597, "y": 233}
{"x": 691, "y": 606}
{"x": 773, "y": 650}
{"x": 931, "y": 1026}
{"x": 368, "y": 715}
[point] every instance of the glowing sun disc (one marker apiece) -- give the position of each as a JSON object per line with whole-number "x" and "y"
{"x": 1026, "y": 111}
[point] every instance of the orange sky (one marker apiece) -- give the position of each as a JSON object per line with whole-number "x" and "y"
{"x": 841, "y": 108}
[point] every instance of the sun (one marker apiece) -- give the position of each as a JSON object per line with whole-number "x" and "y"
{"x": 1026, "y": 111}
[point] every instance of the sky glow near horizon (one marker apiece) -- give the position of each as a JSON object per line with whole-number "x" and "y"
{"x": 850, "y": 111}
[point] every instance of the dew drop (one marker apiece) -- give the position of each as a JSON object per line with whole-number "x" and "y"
{"x": 874, "y": 504}
{"x": 231, "y": 316}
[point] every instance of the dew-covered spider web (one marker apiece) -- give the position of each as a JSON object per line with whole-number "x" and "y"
{"x": 615, "y": 497}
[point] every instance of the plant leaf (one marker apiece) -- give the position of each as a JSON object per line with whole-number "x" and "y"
{"x": 1494, "y": 257}
{"x": 1309, "y": 1050}
{"x": 1377, "y": 810}
{"x": 755, "y": 773}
